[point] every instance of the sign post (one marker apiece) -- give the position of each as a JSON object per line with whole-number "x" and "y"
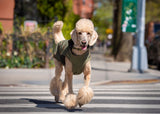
{"x": 129, "y": 15}
{"x": 139, "y": 54}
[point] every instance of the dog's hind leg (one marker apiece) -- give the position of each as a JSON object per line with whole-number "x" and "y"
{"x": 64, "y": 90}
{"x": 85, "y": 94}
{"x": 56, "y": 83}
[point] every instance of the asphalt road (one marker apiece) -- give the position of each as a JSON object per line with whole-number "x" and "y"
{"x": 109, "y": 99}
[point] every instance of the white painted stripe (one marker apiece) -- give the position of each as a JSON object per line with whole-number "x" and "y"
{"x": 95, "y": 97}
{"x": 95, "y": 92}
{"x": 99, "y": 89}
{"x": 104, "y": 86}
{"x": 26, "y": 89}
{"x": 128, "y": 88}
{"x": 95, "y": 87}
{"x": 15, "y": 87}
{"x": 139, "y": 106}
{"x": 43, "y": 92}
{"x": 125, "y": 98}
{"x": 75, "y": 86}
{"x": 128, "y": 92}
{"x": 152, "y": 106}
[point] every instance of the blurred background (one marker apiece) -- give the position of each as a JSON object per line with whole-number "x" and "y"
{"x": 26, "y": 39}
{"x": 120, "y": 77}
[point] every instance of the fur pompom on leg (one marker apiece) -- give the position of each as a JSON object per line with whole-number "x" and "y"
{"x": 55, "y": 88}
{"x": 70, "y": 101}
{"x": 85, "y": 95}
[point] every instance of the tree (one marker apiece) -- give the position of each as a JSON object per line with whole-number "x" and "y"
{"x": 51, "y": 9}
{"x": 122, "y": 41}
{"x": 55, "y": 10}
{"x": 152, "y": 10}
{"x": 69, "y": 19}
{"x": 102, "y": 17}
{"x": 117, "y": 34}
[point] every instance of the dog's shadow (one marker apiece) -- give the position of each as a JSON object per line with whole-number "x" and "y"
{"x": 50, "y": 105}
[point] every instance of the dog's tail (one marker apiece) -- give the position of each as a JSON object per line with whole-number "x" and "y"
{"x": 57, "y": 31}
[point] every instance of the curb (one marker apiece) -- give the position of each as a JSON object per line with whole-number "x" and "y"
{"x": 112, "y": 82}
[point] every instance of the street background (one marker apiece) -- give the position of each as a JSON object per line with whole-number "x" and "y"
{"x": 125, "y": 60}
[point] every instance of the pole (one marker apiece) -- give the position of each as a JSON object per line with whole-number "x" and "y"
{"x": 139, "y": 54}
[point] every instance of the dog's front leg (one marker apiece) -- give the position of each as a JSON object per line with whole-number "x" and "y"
{"x": 71, "y": 99}
{"x": 87, "y": 73}
{"x": 85, "y": 94}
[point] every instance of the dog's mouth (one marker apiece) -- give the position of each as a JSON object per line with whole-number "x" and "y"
{"x": 83, "y": 47}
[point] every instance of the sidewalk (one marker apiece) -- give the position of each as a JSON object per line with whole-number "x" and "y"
{"x": 103, "y": 72}
{"x": 117, "y": 72}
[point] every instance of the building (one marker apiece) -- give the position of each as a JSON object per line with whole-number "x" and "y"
{"x": 7, "y": 15}
{"x": 83, "y": 8}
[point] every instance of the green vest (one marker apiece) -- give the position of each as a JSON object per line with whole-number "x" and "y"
{"x": 63, "y": 49}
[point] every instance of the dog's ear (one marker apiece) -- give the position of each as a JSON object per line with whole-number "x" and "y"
{"x": 93, "y": 38}
{"x": 74, "y": 35}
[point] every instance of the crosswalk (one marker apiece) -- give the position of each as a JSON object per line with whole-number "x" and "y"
{"x": 108, "y": 99}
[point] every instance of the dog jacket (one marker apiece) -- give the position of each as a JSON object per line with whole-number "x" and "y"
{"x": 64, "y": 49}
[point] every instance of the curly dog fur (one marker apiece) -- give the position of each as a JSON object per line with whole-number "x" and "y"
{"x": 82, "y": 36}
{"x": 85, "y": 95}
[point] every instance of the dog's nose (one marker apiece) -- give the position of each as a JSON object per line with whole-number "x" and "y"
{"x": 83, "y": 42}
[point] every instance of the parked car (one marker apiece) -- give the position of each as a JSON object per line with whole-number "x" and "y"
{"x": 154, "y": 51}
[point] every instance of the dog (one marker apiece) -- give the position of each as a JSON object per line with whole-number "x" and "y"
{"x": 74, "y": 56}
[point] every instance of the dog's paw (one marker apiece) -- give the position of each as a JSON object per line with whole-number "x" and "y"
{"x": 85, "y": 95}
{"x": 70, "y": 101}
{"x": 55, "y": 87}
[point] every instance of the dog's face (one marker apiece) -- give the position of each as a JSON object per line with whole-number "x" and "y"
{"x": 84, "y": 34}
{"x": 83, "y": 39}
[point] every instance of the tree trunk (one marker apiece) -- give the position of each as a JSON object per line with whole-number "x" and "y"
{"x": 116, "y": 27}
{"x": 125, "y": 51}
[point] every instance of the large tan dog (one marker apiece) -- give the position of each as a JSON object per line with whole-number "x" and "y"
{"x": 74, "y": 55}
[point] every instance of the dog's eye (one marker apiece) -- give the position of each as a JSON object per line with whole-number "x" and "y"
{"x": 88, "y": 33}
{"x": 79, "y": 33}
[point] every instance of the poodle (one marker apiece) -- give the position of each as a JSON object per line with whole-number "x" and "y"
{"x": 74, "y": 56}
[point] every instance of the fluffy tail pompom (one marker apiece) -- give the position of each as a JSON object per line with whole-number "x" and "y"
{"x": 57, "y": 31}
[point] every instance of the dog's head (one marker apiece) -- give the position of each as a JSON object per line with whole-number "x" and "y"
{"x": 84, "y": 34}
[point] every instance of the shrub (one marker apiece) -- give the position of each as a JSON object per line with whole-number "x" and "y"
{"x": 26, "y": 51}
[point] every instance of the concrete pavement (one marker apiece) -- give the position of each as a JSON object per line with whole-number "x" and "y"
{"x": 104, "y": 71}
